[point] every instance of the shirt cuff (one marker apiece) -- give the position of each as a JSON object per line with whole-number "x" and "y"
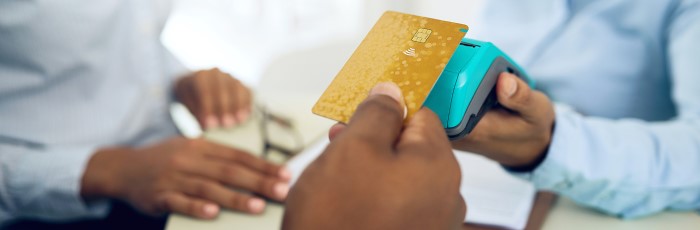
{"x": 552, "y": 173}
{"x": 46, "y": 185}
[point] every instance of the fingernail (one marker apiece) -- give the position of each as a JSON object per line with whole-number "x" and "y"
{"x": 256, "y": 205}
{"x": 281, "y": 190}
{"x": 511, "y": 86}
{"x": 392, "y": 90}
{"x": 285, "y": 174}
{"x": 405, "y": 111}
{"x": 211, "y": 122}
{"x": 210, "y": 210}
{"x": 229, "y": 120}
{"x": 389, "y": 89}
{"x": 242, "y": 115}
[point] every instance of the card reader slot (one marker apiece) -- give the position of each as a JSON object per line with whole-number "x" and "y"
{"x": 468, "y": 44}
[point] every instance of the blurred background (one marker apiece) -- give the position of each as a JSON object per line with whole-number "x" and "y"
{"x": 248, "y": 37}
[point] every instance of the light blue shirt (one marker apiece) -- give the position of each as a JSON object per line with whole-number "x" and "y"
{"x": 76, "y": 76}
{"x": 625, "y": 75}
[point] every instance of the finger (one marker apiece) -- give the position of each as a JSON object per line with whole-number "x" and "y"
{"x": 499, "y": 124}
{"x": 379, "y": 119}
{"x": 424, "y": 123}
{"x": 226, "y": 197}
{"x": 461, "y": 210}
{"x": 243, "y": 101}
{"x": 424, "y": 132}
{"x": 335, "y": 130}
{"x": 188, "y": 98}
{"x": 180, "y": 203}
{"x": 248, "y": 160}
{"x": 515, "y": 94}
{"x": 216, "y": 93}
{"x": 226, "y": 103}
{"x": 191, "y": 98}
{"x": 235, "y": 98}
{"x": 239, "y": 176}
{"x": 206, "y": 100}
{"x": 496, "y": 126}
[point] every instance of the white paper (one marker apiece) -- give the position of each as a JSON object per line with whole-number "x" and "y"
{"x": 493, "y": 196}
{"x": 185, "y": 122}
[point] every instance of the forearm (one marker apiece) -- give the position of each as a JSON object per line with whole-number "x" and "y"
{"x": 626, "y": 167}
{"x": 45, "y": 184}
{"x": 101, "y": 177}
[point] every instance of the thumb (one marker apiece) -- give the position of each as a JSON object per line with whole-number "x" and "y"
{"x": 378, "y": 119}
{"x": 516, "y": 95}
{"x": 335, "y": 130}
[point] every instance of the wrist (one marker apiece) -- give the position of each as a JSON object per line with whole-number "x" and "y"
{"x": 180, "y": 86}
{"x": 101, "y": 176}
{"x": 540, "y": 154}
{"x": 530, "y": 166}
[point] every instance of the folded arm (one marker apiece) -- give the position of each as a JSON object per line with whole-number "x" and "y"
{"x": 628, "y": 168}
{"x": 45, "y": 184}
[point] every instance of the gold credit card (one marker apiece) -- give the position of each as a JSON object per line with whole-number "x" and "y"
{"x": 409, "y": 50}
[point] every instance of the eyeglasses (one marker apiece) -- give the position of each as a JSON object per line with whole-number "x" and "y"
{"x": 281, "y": 140}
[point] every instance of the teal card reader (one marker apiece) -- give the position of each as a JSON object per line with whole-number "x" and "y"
{"x": 465, "y": 90}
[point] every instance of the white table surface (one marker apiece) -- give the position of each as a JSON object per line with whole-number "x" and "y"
{"x": 293, "y": 84}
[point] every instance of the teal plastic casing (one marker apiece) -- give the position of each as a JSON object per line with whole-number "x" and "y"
{"x": 465, "y": 90}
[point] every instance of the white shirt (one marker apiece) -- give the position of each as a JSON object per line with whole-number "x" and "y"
{"x": 626, "y": 77}
{"x": 76, "y": 76}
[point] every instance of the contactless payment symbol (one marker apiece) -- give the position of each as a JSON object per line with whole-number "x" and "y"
{"x": 411, "y": 52}
{"x": 422, "y": 35}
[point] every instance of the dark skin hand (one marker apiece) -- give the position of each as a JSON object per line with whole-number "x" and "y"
{"x": 191, "y": 177}
{"x": 379, "y": 174}
{"x": 518, "y": 136}
{"x": 215, "y": 98}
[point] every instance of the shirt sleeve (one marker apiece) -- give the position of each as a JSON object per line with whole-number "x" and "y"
{"x": 629, "y": 167}
{"x": 174, "y": 67}
{"x": 45, "y": 184}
